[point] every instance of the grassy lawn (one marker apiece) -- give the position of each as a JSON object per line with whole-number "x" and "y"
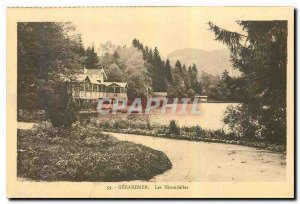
{"x": 83, "y": 153}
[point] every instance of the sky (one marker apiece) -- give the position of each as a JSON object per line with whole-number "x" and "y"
{"x": 168, "y": 28}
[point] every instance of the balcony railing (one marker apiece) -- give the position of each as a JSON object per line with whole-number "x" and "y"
{"x": 115, "y": 95}
{"x": 96, "y": 95}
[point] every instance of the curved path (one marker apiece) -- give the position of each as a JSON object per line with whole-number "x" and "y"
{"x": 201, "y": 161}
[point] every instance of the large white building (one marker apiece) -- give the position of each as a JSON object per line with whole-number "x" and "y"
{"x": 90, "y": 86}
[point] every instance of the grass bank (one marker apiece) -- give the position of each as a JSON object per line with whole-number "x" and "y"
{"x": 140, "y": 125}
{"x": 83, "y": 153}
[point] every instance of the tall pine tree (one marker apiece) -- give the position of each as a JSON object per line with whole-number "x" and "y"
{"x": 159, "y": 82}
{"x": 261, "y": 56}
{"x": 168, "y": 72}
{"x": 91, "y": 58}
{"x": 194, "y": 79}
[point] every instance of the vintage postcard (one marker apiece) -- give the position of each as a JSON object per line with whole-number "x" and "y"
{"x": 150, "y": 102}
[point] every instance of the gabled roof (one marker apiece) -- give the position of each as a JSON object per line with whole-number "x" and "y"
{"x": 95, "y": 72}
{"x": 93, "y": 80}
{"x": 93, "y": 76}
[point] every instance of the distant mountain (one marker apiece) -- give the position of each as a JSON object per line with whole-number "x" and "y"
{"x": 212, "y": 62}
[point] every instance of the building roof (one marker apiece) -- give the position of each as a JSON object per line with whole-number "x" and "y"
{"x": 120, "y": 84}
{"x": 159, "y": 93}
{"x": 93, "y": 76}
{"x": 91, "y": 72}
{"x": 93, "y": 80}
{"x": 200, "y": 96}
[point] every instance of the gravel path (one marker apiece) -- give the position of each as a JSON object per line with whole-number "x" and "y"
{"x": 201, "y": 161}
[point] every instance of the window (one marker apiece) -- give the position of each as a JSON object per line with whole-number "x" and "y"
{"x": 81, "y": 87}
{"x": 87, "y": 87}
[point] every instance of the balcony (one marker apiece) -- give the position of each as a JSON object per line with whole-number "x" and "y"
{"x": 97, "y": 95}
{"x": 115, "y": 95}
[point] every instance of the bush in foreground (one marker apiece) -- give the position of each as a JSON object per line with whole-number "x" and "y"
{"x": 58, "y": 104}
{"x": 84, "y": 154}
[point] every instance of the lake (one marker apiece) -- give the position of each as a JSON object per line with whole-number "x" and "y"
{"x": 210, "y": 118}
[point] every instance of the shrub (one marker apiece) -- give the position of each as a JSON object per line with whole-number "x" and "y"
{"x": 198, "y": 131}
{"x": 58, "y": 104}
{"x": 219, "y": 134}
{"x": 174, "y": 128}
{"x": 161, "y": 129}
{"x": 119, "y": 124}
{"x": 31, "y": 115}
{"x": 252, "y": 122}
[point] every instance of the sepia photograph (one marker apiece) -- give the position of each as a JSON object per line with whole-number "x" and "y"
{"x": 150, "y": 102}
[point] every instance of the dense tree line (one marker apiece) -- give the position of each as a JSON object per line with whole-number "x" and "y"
{"x": 222, "y": 88}
{"x": 144, "y": 71}
{"x": 177, "y": 81}
{"x": 261, "y": 57}
{"x": 46, "y": 52}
